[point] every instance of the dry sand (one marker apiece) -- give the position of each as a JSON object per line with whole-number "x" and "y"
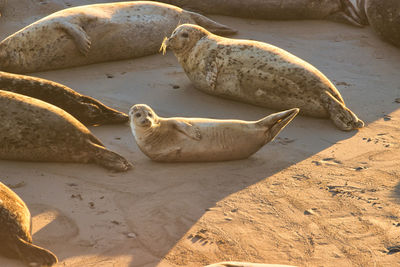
{"x": 315, "y": 196}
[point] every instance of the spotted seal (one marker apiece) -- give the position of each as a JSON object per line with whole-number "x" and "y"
{"x": 257, "y": 73}
{"x": 34, "y": 130}
{"x": 86, "y": 109}
{"x": 95, "y": 33}
{"x": 16, "y": 231}
{"x": 384, "y": 18}
{"x": 199, "y": 139}
{"x": 336, "y": 10}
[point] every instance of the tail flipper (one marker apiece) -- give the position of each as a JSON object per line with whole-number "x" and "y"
{"x": 274, "y": 123}
{"x": 341, "y": 116}
{"x": 110, "y": 160}
{"x": 211, "y": 25}
{"x": 32, "y": 254}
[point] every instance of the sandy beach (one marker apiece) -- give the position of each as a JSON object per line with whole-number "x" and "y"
{"x": 315, "y": 196}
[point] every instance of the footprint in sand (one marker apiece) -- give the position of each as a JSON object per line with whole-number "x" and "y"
{"x": 50, "y": 226}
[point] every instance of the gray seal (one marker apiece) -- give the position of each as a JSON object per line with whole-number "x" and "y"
{"x": 257, "y": 73}
{"x": 335, "y": 10}
{"x": 95, "y": 33}
{"x": 384, "y": 18}
{"x": 33, "y": 130}
{"x": 201, "y": 139}
{"x": 86, "y": 109}
{"x": 16, "y": 231}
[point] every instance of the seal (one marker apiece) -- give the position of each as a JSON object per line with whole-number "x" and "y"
{"x": 95, "y": 33}
{"x": 384, "y": 18}
{"x": 200, "y": 139}
{"x": 34, "y": 130}
{"x": 16, "y": 231}
{"x": 257, "y": 73}
{"x": 336, "y": 10}
{"x": 245, "y": 264}
{"x": 86, "y": 109}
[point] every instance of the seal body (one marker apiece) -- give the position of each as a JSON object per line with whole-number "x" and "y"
{"x": 95, "y": 33}
{"x": 15, "y": 231}
{"x": 336, "y": 10}
{"x": 86, "y": 109}
{"x": 257, "y": 73}
{"x": 384, "y": 18}
{"x": 34, "y": 130}
{"x": 197, "y": 139}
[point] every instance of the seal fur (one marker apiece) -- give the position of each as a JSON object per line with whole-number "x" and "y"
{"x": 95, "y": 33}
{"x": 34, "y": 130}
{"x": 86, "y": 109}
{"x": 384, "y": 18}
{"x": 16, "y": 231}
{"x": 336, "y": 10}
{"x": 257, "y": 73}
{"x": 199, "y": 139}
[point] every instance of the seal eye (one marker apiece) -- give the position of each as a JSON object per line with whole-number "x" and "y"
{"x": 137, "y": 115}
{"x": 149, "y": 114}
{"x": 185, "y": 35}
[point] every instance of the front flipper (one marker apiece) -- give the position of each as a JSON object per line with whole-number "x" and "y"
{"x": 188, "y": 129}
{"x": 341, "y": 116}
{"x": 32, "y": 254}
{"x": 78, "y": 34}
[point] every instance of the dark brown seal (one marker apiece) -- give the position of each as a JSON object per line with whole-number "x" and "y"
{"x": 34, "y": 130}
{"x": 16, "y": 231}
{"x": 384, "y": 18}
{"x": 336, "y": 10}
{"x": 85, "y": 108}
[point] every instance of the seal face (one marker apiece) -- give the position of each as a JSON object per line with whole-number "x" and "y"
{"x": 86, "y": 109}
{"x": 95, "y": 33}
{"x": 15, "y": 231}
{"x": 34, "y": 130}
{"x": 257, "y": 73}
{"x": 199, "y": 139}
{"x": 336, "y": 10}
{"x": 384, "y": 18}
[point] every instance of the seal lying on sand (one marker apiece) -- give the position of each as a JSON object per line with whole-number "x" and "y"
{"x": 257, "y": 73}
{"x": 34, "y": 130}
{"x": 95, "y": 33}
{"x": 195, "y": 139}
{"x": 86, "y": 109}
{"x": 384, "y": 18}
{"x": 336, "y": 10}
{"x": 16, "y": 231}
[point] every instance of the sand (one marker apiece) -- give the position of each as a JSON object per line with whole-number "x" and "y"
{"x": 315, "y": 196}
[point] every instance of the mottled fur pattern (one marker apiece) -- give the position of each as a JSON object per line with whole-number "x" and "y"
{"x": 86, "y": 109}
{"x": 34, "y": 130}
{"x": 258, "y": 73}
{"x": 95, "y": 33}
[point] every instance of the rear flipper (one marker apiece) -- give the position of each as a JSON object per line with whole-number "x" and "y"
{"x": 98, "y": 113}
{"x": 341, "y": 116}
{"x": 110, "y": 160}
{"x": 211, "y": 25}
{"x": 362, "y": 12}
{"x": 33, "y": 255}
{"x": 348, "y": 15}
